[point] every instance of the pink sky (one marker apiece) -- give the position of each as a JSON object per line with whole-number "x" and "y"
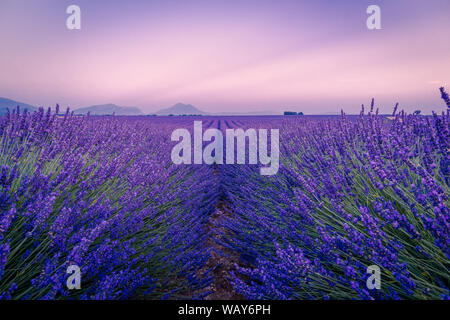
{"x": 315, "y": 57}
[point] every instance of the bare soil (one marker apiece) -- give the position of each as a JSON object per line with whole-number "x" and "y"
{"x": 222, "y": 262}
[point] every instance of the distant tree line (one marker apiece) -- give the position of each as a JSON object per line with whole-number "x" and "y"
{"x": 292, "y": 113}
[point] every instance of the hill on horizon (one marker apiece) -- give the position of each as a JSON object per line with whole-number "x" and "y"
{"x": 180, "y": 109}
{"x": 109, "y": 109}
{"x": 6, "y": 104}
{"x": 188, "y": 109}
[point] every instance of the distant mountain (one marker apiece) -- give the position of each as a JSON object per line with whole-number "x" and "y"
{"x": 11, "y": 104}
{"x": 188, "y": 109}
{"x": 108, "y": 109}
{"x": 180, "y": 109}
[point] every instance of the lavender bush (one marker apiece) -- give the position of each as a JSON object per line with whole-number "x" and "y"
{"x": 100, "y": 193}
{"x": 352, "y": 192}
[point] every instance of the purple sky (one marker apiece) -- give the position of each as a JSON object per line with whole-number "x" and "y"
{"x": 310, "y": 56}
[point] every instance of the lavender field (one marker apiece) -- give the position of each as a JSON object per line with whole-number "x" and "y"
{"x": 102, "y": 193}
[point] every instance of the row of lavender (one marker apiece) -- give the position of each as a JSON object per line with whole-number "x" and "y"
{"x": 100, "y": 193}
{"x": 351, "y": 192}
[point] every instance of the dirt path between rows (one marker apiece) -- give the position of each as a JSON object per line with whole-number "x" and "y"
{"x": 222, "y": 259}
